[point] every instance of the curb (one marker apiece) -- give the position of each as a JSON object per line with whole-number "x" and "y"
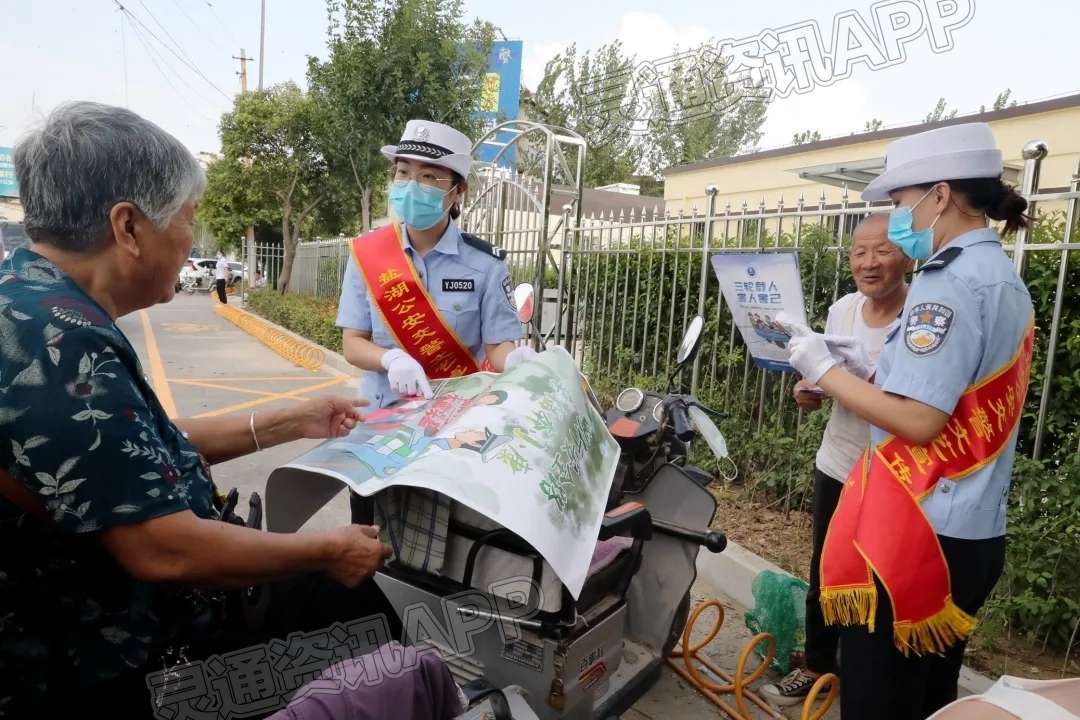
{"x": 732, "y": 572}
{"x": 287, "y": 343}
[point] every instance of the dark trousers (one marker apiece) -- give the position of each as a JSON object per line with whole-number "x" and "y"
{"x": 305, "y": 604}
{"x": 822, "y": 641}
{"x": 220, "y": 286}
{"x": 879, "y": 682}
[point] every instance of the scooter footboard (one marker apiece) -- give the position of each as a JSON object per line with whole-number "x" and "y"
{"x": 562, "y": 676}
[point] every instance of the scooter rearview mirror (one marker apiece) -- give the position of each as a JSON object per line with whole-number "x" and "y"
{"x": 523, "y": 301}
{"x": 691, "y": 341}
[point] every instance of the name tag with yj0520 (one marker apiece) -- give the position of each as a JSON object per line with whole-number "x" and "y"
{"x": 464, "y": 285}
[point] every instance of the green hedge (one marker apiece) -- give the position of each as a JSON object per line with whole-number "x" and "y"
{"x": 312, "y": 318}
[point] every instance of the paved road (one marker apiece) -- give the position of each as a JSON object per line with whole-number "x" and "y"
{"x": 201, "y": 364}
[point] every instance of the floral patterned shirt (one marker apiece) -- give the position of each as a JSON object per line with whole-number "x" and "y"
{"x": 82, "y": 430}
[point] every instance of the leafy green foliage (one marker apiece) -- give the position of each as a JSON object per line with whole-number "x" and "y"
{"x": 391, "y": 61}
{"x": 309, "y": 317}
{"x": 631, "y": 128}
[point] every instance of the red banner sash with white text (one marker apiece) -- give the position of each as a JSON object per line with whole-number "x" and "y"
{"x": 880, "y": 528}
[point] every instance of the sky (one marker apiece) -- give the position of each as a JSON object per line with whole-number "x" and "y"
{"x": 59, "y": 50}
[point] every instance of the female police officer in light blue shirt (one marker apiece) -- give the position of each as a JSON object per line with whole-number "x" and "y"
{"x": 466, "y": 278}
{"x": 966, "y": 321}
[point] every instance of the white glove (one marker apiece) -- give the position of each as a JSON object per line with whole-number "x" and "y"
{"x": 406, "y": 376}
{"x": 810, "y": 355}
{"x": 518, "y": 356}
{"x": 852, "y": 354}
{"x": 845, "y": 349}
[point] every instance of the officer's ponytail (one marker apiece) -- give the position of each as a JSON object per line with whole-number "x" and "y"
{"x": 996, "y": 199}
{"x": 455, "y": 209}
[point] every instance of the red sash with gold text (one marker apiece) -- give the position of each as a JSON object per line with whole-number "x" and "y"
{"x": 880, "y": 528}
{"x": 406, "y": 307}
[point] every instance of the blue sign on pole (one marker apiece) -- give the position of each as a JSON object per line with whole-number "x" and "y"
{"x": 501, "y": 97}
{"x": 8, "y": 186}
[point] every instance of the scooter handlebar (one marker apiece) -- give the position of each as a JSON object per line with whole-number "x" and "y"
{"x": 712, "y": 541}
{"x": 683, "y": 430}
{"x": 715, "y": 542}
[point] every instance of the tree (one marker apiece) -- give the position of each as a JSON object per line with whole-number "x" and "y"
{"x": 703, "y": 115}
{"x": 1001, "y": 101}
{"x": 271, "y": 169}
{"x": 590, "y": 94}
{"x": 391, "y": 61}
{"x": 804, "y": 137}
{"x": 873, "y": 125}
{"x": 940, "y": 112}
{"x": 637, "y": 125}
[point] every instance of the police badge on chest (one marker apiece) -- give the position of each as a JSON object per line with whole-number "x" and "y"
{"x": 927, "y": 326}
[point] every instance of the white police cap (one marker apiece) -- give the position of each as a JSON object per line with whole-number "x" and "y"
{"x": 435, "y": 144}
{"x": 956, "y": 152}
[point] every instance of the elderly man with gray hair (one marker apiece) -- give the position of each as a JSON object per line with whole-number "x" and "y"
{"x": 108, "y": 514}
{"x": 866, "y": 316}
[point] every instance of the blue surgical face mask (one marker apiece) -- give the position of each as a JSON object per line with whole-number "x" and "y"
{"x": 419, "y": 206}
{"x": 916, "y": 244}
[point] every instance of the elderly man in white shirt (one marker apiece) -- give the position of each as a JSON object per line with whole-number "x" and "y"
{"x": 879, "y": 269}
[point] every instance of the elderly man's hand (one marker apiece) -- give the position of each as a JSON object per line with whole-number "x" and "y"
{"x": 808, "y": 396}
{"x": 358, "y": 554}
{"x": 326, "y": 417}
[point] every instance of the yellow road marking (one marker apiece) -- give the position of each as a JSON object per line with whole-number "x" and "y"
{"x": 215, "y": 386}
{"x": 157, "y": 370}
{"x": 281, "y": 378}
{"x": 271, "y": 398}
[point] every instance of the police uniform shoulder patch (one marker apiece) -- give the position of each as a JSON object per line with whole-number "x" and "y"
{"x": 509, "y": 292}
{"x": 926, "y": 327}
{"x": 485, "y": 247}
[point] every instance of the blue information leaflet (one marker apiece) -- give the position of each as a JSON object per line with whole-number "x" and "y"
{"x": 757, "y": 287}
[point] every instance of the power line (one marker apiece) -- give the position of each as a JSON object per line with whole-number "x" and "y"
{"x": 189, "y": 65}
{"x": 154, "y": 57}
{"x": 221, "y": 23}
{"x": 197, "y": 26}
{"x": 165, "y": 31}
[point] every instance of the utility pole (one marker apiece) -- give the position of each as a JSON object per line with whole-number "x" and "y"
{"x": 262, "y": 43}
{"x": 244, "y": 60}
{"x": 249, "y": 240}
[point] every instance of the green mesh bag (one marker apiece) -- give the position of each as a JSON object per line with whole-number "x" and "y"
{"x": 780, "y": 610}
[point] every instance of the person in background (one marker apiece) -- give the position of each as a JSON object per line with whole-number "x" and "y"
{"x": 917, "y": 541}
{"x": 221, "y": 277}
{"x": 879, "y": 269}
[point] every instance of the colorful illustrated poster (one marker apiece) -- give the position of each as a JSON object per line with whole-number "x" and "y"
{"x": 756, "y": 287}
{"x": 526, "y": 449}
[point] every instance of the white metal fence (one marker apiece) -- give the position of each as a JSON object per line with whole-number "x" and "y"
{"x": 621, "y": 289}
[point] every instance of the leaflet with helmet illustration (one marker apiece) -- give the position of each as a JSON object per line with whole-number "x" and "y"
{"x": 526, "y": 449}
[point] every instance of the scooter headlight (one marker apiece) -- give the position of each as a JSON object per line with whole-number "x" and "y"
{"x": 629, "y": 400}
